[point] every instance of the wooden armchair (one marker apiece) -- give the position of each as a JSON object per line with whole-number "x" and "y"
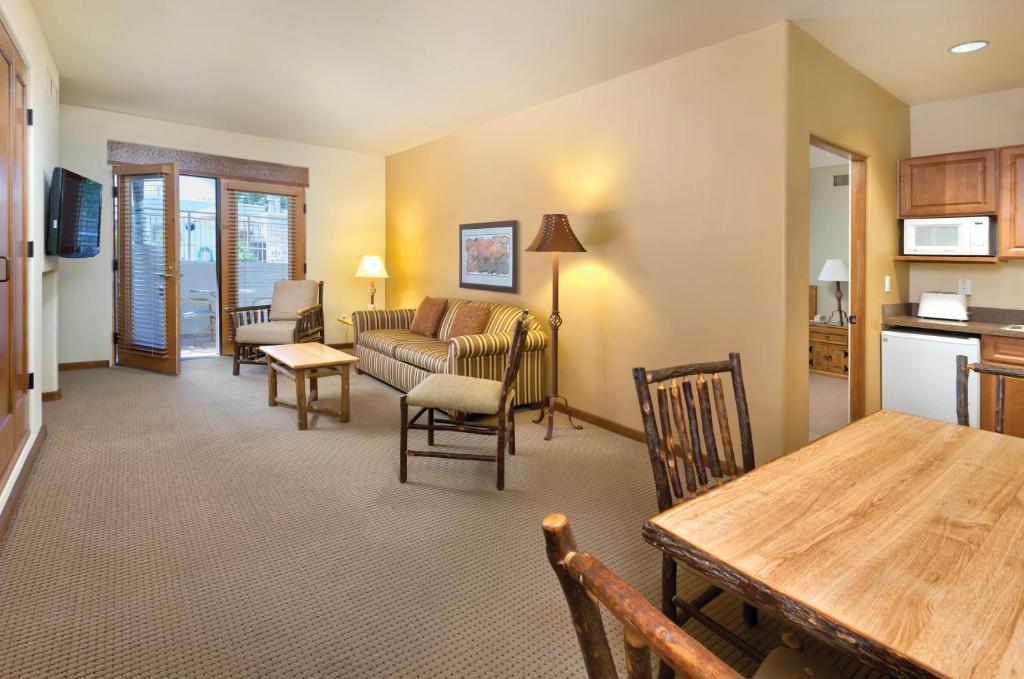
{"x": 587, "y": 584}
{"x": 1000, "y": 372}
{"x": 295, "y": 314}
{"x": 674, "y": 435}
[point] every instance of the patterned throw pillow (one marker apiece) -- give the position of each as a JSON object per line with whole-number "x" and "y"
{"x": 470, "y": 319}
{"x": 428, "y": 316}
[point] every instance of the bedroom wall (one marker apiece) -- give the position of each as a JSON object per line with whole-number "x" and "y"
{"x": 345, "y": 218}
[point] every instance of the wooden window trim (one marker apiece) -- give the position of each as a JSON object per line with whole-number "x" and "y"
{"x": 208, "y": 164}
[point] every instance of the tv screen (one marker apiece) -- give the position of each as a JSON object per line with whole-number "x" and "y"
{"x": 73, "y": 216}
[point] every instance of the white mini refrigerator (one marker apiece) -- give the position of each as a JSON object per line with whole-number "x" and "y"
{"x": 919, "y": 374}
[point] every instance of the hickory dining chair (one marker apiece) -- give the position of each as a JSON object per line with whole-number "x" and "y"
{"x": 1000, "y": 372}
{"x": 586, "y": 583}
{"x": 686, "y": 461}
{"x": 455, "y": 397}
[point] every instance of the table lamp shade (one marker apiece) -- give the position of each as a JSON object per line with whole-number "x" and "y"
{"x": 555, "y": 235}
{"x": 834, "y": 270}
{"x": 372, "y": 266}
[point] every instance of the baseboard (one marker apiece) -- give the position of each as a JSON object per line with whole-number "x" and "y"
{"x": 604, "y": 423}
{"x": 83, "y": 365}
{"x": 52, "y": 395}
{"x": 19, "y": 483}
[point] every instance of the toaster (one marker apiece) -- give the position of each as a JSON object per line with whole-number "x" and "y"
{"x": 946, "y": 305}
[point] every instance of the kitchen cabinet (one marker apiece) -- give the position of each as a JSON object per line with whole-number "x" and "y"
{"x": 829, "y": 351}
{"x": 1005, "y": 351}
{"x": 1011, "y": 201}
{"x": 950, "y": 184}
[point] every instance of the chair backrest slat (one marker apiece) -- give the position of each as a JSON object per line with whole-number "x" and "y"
{"x": 1000, "y": 372}
{"x": 513, "y": 359}
{"x": 586, "y": 582}
{"x": 674, "y": 434}
{"x": 723, "y": 425}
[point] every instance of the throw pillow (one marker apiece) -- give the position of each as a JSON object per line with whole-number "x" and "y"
{"x": 470, "y": 319}
{"x": 428, "y": 316}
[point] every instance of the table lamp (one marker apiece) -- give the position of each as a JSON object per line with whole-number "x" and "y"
{"x": 371, "y": 267}
{"x": 836, "y": 270}
{"x": 555, "y": 236}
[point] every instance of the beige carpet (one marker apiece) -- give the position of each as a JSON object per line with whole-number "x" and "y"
{"x": 178, "y": 527}
{"x": 828, "y": 405}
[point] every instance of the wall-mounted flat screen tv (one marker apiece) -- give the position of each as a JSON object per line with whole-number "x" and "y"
{"x": 73, "y": 215}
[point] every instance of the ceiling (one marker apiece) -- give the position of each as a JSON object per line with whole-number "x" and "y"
{"x": 381, "y": 76}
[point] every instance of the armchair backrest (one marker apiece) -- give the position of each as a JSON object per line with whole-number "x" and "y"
{"x": 291, "y": 297}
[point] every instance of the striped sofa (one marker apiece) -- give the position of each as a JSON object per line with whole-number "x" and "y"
{"x": 390, "y": 352}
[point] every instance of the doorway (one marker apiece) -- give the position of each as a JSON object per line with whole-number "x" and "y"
{"x": 197, "y": 242}
{"x": 836, "y": 202}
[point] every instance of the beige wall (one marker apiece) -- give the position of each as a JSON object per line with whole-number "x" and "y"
{"x": 20, "y": 19}
{"x": 345, "y": 218}
{"x": 830, "y": 100}
{"x": 983, "y": 121}
{"x": 828, "y": 232}
{"x": 672, "y": 176}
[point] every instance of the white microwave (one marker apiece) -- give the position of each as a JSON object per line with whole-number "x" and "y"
{"x": 949, "y": 236}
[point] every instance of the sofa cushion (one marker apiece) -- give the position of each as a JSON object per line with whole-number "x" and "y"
{"x": 385, "y": 341}
{"x": 428, "y": 316}
{"x": 273, "y": 332}
{"x": 457, "y": 392}
{"x": 432, "y": 355}
{"x": 470, "y": 319}
{"x": 445, "y": 328}
{"x": 503, "y": 318}
{"x": 291, "y": 297}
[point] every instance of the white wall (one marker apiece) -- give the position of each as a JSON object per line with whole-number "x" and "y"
{"x": 829, "y": 235}
{"x": 983, "y": 121}
{"x": 345, "y": 218}
{"x": 20, "y": 20}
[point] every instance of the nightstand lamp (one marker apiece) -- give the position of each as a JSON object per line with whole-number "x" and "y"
{"x": 835, "y": 270}
{"x": 371, "y": 267}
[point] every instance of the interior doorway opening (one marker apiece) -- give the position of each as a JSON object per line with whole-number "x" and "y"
{"x": 197, "y": 242}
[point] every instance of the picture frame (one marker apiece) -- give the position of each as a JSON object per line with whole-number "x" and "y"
{"x": 489, "y": 256}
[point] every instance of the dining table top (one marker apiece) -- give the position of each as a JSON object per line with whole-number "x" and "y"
{"x": 897, "y": 539}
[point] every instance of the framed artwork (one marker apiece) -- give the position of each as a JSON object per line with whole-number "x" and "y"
{"x": 488, "y": 254}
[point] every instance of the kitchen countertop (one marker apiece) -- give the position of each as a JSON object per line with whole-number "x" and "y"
{"x": 967, "y": 327}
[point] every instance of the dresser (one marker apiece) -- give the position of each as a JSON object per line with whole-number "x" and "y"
{"x": 829, "y": 352}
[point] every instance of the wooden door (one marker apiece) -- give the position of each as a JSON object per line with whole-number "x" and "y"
{"x": 1011, "y": 201}
{"x": 14, "y": 425}
{"x": 1004, "y": 351}
{"x": 263, "y": 239}
{"x": 949, "y": 184}
{"x": 147, "y": 297}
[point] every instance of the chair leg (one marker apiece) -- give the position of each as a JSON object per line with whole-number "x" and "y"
{"x": 234, "y": 360}
{"x": 668, "y": 607}
{"x": 404, "y": 459}
{"x": 430, "y": 423}
{"x": 511, "y": 430}
{"x": 749, "y": 615}
{"x": 500, "y": 457}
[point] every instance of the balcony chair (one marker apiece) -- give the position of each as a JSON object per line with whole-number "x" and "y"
{"x": 295, "y": 314}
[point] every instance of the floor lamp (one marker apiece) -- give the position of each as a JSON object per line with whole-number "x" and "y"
{"x": 555, "y": 236}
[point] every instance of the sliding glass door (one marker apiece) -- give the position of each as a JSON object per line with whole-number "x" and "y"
{"x": 146, "y": 319}
{"x": 262, "y": 241}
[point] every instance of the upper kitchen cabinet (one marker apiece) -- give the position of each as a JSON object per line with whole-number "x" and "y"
{"x": 950, "y": 184}
{"x": 1011, "y": 205}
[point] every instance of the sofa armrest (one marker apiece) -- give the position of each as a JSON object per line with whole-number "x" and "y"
{"x": 380, "y": 319}
{"x": 491, "y": 344}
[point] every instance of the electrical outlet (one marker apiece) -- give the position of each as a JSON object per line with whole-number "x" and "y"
{"x": 963, "y": 286}
{"x": 888, "y": 283}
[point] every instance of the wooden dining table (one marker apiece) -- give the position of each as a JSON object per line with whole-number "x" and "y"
{"x": 897, "y": 539}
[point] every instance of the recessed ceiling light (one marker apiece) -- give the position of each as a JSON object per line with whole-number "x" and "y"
{"x": 969, "y": 46}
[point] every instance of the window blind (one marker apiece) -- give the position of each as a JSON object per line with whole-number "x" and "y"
{"x": 262, "y": 241}
{"x": 145, "y": 264}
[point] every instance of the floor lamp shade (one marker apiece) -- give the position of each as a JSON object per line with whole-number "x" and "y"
{"x": 555, "y": 236}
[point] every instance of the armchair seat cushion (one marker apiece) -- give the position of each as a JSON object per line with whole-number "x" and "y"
{"x": 457, "y": 393}
{"x": 429, "y": 355}
{"x": 272, "y": 332}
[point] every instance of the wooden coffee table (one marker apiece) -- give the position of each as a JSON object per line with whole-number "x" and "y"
{"x": 313, "y": 360}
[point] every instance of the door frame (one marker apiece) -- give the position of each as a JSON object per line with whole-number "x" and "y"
{"x": 858, "y": 269}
